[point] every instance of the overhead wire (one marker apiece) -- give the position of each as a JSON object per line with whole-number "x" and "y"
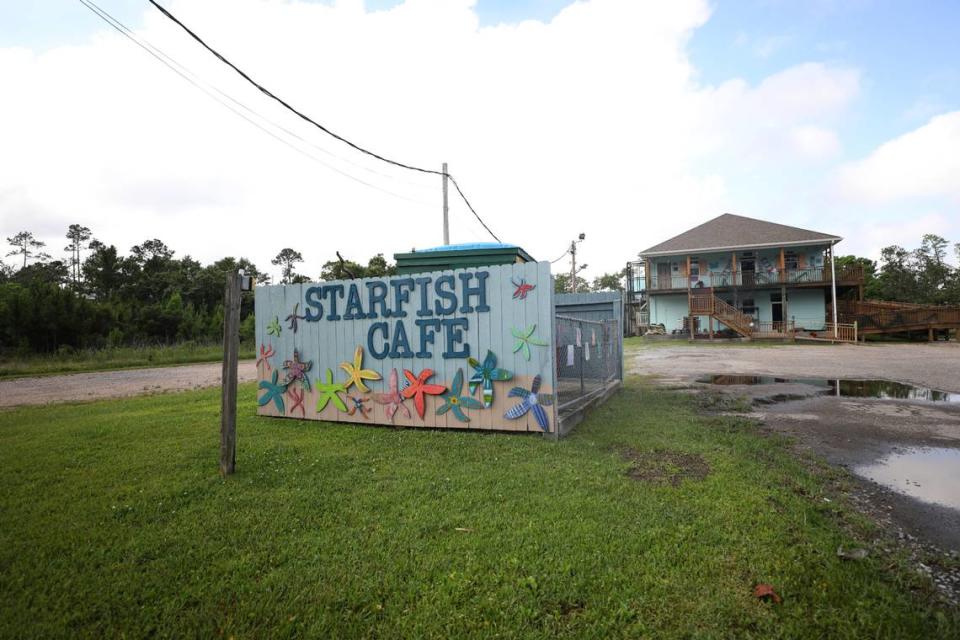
{"x": 198, "y": 83}
{"x": 313, "y": 122}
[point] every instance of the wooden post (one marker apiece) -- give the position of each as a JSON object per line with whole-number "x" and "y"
{"x": 710, "y": 324}
{"x": 228, "y": 378}
{"x": 688, "y": 273}
{"x": 782, "y": 266}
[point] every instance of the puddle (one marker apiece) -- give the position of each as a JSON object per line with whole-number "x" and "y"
{"x": 929, "y": 474}
{"x": 882, "y": 389}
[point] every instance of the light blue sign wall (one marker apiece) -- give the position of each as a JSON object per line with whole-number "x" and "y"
{"x": 411, "y": 323}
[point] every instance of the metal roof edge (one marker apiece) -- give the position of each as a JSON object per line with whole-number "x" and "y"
{"x": 795, "y": 243}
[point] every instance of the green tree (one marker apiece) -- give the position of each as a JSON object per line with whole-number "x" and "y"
{"x": 561, "y": 283}
{"x": 102, "y": 270}
{"x": 610, "y": 281}
{"x": 28, "y": 247}
{"x": 77, "y": 235}
{"x": 287, "y": 260}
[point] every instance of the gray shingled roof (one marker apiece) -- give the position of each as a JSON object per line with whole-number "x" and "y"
{"x": 730, "y": 231}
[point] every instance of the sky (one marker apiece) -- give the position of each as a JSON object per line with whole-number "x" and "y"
{"x": 627, "y": 121}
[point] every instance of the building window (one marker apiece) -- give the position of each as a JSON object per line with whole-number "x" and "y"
{"x": 748, "y": 307}
{"x": 694, "y": 268}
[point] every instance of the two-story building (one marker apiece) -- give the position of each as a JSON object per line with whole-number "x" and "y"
{"x": 750, "y": 277}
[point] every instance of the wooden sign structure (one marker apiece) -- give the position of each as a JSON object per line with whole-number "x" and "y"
{"x": 462, "y": 349}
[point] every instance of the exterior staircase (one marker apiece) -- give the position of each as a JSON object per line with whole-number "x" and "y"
{"x": 704, "y": 303}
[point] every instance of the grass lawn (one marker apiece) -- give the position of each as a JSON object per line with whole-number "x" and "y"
{"x": 114, "y": 358}
{"x": 114, "y": 522}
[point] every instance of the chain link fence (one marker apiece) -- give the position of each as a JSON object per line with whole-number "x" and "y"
{"x": 589, "y": 360}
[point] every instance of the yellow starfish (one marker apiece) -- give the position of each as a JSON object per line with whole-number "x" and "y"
{"x": 355, "y": 374}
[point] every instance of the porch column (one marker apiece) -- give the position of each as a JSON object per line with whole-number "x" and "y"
{"x": 782, "y": 266}
{"x": 833, "y": 290}
{"x": 733, "y": 275}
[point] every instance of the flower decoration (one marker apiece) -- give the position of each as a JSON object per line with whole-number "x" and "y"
{"x": 293, "y": 319}
{"x": 297, "y": 370}
{"x": 266, "y": 352}
{"x": 356, "y": 374}
{"x": 485, "y": 374}
{"x": 454, "y": 402}
{"x": 358, "y": 405}
{"x": 418, "y": 389}
{"x": 533, "y": 401}
{"x": 328, "y": 391}
{"x": 522, "y": 289}
{"x": 274, "y": 391}
{"x": 392, "y": 399}
{"x": 525, "y": 338}
{"x": 297, "y": 395}
{"x": 273, "y": 328}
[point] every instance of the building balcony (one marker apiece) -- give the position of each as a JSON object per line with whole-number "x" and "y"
{"x": 719, "y": 280}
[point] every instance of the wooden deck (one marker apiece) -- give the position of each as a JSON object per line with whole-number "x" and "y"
{"x": 874, "y": 317}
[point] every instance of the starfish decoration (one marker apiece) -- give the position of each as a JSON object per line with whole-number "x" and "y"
{"x": 392, "y": 398}
{"x": 533, "y": 401}
{"x": 454, "y": 401}
{"x": 485, "y": 374}
{"x": 266, "y": 352}
{"x": 358, "y": 405}
{"x": 328, "y": 391}
{"x": 297, "y": 370}
{"x": 419, "y": 389}
{"x": 273, "y": 328}
{"x": 522, "y": 289}
{"x": 297, "y": 395}
{"x": 356, "y": 374}
{"x": 525, "y": 339}
{"x": 293, "y": 318}
{"x": 274, "y": 391}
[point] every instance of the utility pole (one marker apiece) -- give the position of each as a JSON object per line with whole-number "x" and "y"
{"x": 573, "y": 262}
{"x": 573, "y": 266}
{"x": 236, "y": 282}
{"x": 446, "y": 208}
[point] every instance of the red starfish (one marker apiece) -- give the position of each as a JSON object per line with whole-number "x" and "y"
{"x": 522, "y": 289}
{"x": 418, "y": 387}
{"x": 265, "y": 352}
{"x": 297, "y": 395}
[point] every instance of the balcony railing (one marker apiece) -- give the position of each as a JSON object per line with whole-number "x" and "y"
{"x": 721, "y": 279}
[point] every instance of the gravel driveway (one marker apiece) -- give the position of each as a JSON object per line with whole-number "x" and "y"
{"x": 935, "y": 365}
{"x": 115, "y": 384}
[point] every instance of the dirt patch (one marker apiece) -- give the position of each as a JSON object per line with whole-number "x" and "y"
{"x": 76, "y": 387}
{"x": 665, "y": 467}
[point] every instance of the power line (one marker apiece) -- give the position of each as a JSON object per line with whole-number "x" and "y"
{"x": 196, "y": 81}
{"x": 307, "y": 118}
{"x": 564, "y": 255}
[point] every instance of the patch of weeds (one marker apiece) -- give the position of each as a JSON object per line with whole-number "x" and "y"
{"x": 714, "y": 401}
{"x": 666, "y": 467}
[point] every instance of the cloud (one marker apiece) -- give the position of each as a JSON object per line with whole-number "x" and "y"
{"x": 924, "y": 163}
{"x": 594, "y": 121}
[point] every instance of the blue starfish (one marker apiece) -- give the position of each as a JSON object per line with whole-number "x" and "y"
{"x": 274, "y": 391}
{"x": 485, "y": 374}
{"x": 532, "y": 401}
{"x": 453, "y": 400}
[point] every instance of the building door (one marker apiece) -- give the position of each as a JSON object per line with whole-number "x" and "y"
{"x": 663, "y": 275}
{"x": 747, "y": 269}
{"x": 776, "y": 310}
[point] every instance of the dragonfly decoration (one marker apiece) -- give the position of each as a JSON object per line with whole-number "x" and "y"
{"x": 522, "y": 289}
{"x": 293, "y": 319}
